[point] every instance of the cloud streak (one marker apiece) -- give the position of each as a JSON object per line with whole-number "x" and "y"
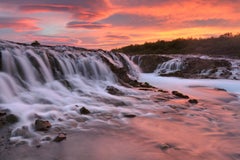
{"x": 86, "y": 25}
{"x": 19, "y": 24}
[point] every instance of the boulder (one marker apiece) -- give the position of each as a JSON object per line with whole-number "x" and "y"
{"x": 129, "y": 115}
{"x": 60, "y": 137}
{"x": 114, "y": 91}
{"x": 193, "y": 101}
{"x": 41, "y": 125}
{"x": 11, "y": 118}
{"x": 7, "y": 118}
{"x": 84, "y": 110}
{"x": 180, "y": 95}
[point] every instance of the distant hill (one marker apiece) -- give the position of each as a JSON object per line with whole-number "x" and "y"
{"x": 224, "y": 45}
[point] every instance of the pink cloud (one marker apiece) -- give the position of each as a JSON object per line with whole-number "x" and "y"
{"x": 19, "y": 24}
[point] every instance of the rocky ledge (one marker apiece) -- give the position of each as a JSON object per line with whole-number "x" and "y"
{"x": 190, "y": 66}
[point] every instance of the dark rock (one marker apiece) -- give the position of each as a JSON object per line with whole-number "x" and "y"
{"x": 163, "y": 91}
{"x": 2, "y": 113}
{"x": 122, "y": 73}
{"x": 35, "y": 43}
{"x": 194, "y": 67}
{"x": 165, "y": 146}
{"x": 193, "y": 101}
{"x": 11, "y": 118}
{"x": 84, "y": 110}
{"x": 148, "y": 63}
{"x": 180, "y": 95}
{"x": 41, "y": 125}
{"x": 129, "y": 115}
{"x": 147, "y": 85}
{"x": 221, "y": 89}
{"x": 60, "y": 137}
{"x": 66, "y": 83}
{"x": 114, "y": 91}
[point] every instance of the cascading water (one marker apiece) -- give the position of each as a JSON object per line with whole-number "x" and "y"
{"x": 170, "y": 66}
{"x": 52, "y": 82}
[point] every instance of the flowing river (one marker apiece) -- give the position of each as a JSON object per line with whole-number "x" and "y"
{"x": 53, "y": 83}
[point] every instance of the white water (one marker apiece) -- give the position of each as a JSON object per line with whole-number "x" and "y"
{"x": 31, "y": 88}
{"x": 174, "y": 83}
{"x": 207, "y": 130}
{"x": 170, "y": 66}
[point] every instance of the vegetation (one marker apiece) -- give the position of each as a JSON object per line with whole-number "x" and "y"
{"x": 226, "y": 44}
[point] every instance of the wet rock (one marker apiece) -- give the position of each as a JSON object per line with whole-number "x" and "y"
{"x": 114, "y": 91}
{"x": 165, "y": 146}
{"x": 60, "y": 137}
{"x": 66, "y": 83}
{"x": 145, "y": 84}
{"x": 84, "y": 110}
{"x": 23, "y": 132}
{"x": 163, "y": 91}
{"x": 193, "y": 101}
{"x": 7, "y": 118}
{"x": 180, "y": 95}
{"x": 148, "y": 63}
{"x": 221, "y": 89}
{"x": 129, "y": 115}
{"x": 2, "y": 113}
{"x": 11, "y": 118}
{"x": 41, "y": 125}
{"x": 122, "y": 74}
{"x": 194, "y": 67}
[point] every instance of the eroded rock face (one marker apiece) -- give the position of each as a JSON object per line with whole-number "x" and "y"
{"x": 148, "y": 63}
{"x": 203, "y": 68}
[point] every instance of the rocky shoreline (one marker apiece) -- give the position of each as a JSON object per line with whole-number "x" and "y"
{"x": 189, "y": 66}
{"x": 180, "y": 111}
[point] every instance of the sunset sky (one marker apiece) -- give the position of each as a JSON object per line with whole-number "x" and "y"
{"x": 109, "y": 24}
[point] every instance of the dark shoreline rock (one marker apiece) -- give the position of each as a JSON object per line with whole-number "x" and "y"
{"x": 84, "y": 110}
{"x": 180, "y": 95}
{"x": 193, "y": 101}
{"x": 126, "y": 115}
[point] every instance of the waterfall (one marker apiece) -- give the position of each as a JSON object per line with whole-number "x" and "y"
{"x": 171, "y": 66}
{"x": 51, "y": 82}
{"x": 31, "y": 66}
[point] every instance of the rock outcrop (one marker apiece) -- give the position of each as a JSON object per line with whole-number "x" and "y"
{"x": 148, "y": 63}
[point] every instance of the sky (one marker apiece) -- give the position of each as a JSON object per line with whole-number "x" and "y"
{"x": 109, "y": 24}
